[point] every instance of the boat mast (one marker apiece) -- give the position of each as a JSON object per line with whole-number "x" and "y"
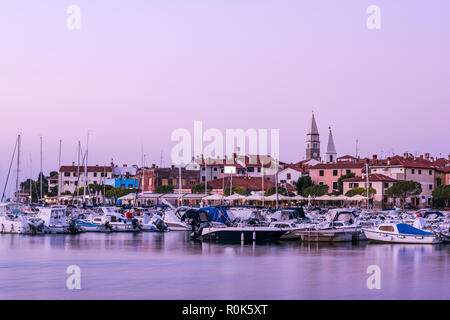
{"x": 9, "y": 171}
{"x": 85, "y": 168}
{"x": 31, "y": 175}
{"x": 40, "y": 175}
{"x": 18, "y": 168}
{"x": 78, "y": 174}
{"x": 59, "y": 170}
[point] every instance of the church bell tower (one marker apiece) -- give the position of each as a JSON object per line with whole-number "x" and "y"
{"x": 313, "y": 141}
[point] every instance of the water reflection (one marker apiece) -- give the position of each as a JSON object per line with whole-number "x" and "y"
{"x": 172, "y": 266}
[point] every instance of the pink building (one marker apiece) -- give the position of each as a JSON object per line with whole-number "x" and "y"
{"x": 329, "y": 173}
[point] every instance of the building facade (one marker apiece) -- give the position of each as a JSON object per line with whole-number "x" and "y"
{"x": 329, "y": 173}
{"x": 70, "y": 180}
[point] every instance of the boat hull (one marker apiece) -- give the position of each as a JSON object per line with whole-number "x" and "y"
{"x": 241, "y": 235}
{"x": 387, "y": 237}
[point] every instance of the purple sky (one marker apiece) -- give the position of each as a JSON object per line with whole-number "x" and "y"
{"x": 137, "y": 71}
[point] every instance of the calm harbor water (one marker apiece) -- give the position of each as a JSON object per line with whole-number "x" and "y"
{"x": 171, "y": 266}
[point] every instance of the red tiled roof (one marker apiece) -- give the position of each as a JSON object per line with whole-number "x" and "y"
{"x": 372, "y": 177}
{"x": 339, "y": 165}
{"x": 295, "y": 167}
{"x": 89, "y": 169}
{"x": 347, "y": 157}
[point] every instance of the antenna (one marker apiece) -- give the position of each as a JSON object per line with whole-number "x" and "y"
{"x": 161, "y": 159}
{"x": 356, "y": 155}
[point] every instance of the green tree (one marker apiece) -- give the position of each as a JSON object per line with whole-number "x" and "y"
{"x": 200, "y": 188}
{"x": 36, "y": 187}
{"x": 303, "y": 183}
{"x": 404, "y": 190}
{"x": 316, "y": 190}
{"x": 119, "y": 192}
{"x": 272, "y": 191}
{"x": 442, "y": 193}
{"x": 164, "y": 189}
{"x": 341, "y": 184}
{"x": 361, "y": 191}
{"x": 236, "y": 189}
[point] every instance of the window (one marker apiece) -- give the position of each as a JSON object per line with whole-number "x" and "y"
{"x": 387, "y": 228}
{"x": 321, "y": 183}
{"x": 431, "y": 187}
{"x": 386, "y": 185}
{"x": 95, "y": 174}
{"x": 102, "y": 174}
{"x": 215, "y": 169}
{"x": 335, "y": 185}
{"x": 348, "y": 171}
{"x": 420, "y": 171}
{"x": 413, "y": 171}
{"x": 321, "y": 173}
{"x": 335, "y": 172}
{"x": 251, "y": 169}
{"x": 66, "y": 174}
{"x": 288, "y": 176}
{"x": 430, "y": 172}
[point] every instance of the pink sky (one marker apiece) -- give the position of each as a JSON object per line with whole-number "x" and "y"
{"x": 137, "y": 71}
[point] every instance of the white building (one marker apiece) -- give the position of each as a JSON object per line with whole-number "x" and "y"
{"x": 70, "y": 180}
{"x": 290, "y": 175}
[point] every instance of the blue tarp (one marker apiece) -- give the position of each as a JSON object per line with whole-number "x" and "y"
{"x": 217, "y": 214}
{"x": 404, "y": 228}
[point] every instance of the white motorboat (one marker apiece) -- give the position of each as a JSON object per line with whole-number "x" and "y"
{"x": 13, "y": 220}
{"x": 151, "y": 221}
{"x": 401, "y": 233}
{"x": 173, "y": 222}
{"x": 56, "y": 220}
{"x": 113, "y": 219}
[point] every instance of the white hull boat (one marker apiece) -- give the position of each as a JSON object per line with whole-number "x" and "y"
{"x": 401, "y": 233}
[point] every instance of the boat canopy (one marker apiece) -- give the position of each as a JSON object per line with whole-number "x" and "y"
{"x": 211, "y": 214}
{"x": 404, "y": 228}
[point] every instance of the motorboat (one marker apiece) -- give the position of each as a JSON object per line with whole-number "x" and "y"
{"x": 115, "y": 220}
{"x": 173, "y": 219}
{"x": 152, "y": 221}
{"x": 56, "y": 220}
{"x": 214, "y": 224}
{"x": 401, "y": 233}
{"x": 13, "y": 220}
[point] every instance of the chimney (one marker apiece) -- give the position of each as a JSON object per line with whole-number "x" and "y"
{"x": 427, "y": 156}
{"x": 172, "y": 166}
{"x": 73, "y": 163}
{"x": 421, "y": 157}
{"x": 153, "y": 165}
{"x": 405, "y": 155}
{"x": 449, "y": 157}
